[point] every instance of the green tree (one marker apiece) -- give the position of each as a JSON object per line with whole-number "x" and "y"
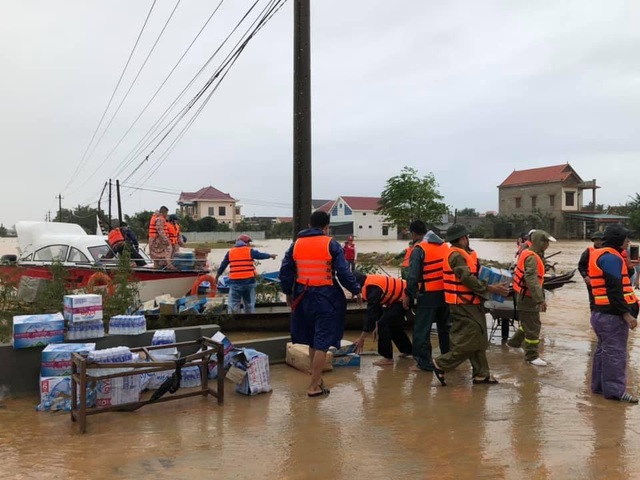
{"x": 139, "y": 223}
{"x": 188, "y": 224}
{"x": 282, "y": 230}
{"x": 634, "y": 213}
{"x": 408, "y": 197}
{"x": 468, "y": 212}
{"x": 208, "y": 224}
{"x": 3, "y": 230}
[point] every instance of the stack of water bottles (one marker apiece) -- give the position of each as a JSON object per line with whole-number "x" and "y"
{"x": 190, "y": 377}
{"x": 84, "y": 330}
{"x": 127, "y": 325}
{"x": 110, "y": 355}
{"x": 164, "y": 337}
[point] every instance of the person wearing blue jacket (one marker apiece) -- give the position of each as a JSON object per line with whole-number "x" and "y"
{"x": 318, "y": 303}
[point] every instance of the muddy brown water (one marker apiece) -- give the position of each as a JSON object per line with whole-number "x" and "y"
{"x": 538, "y": 423}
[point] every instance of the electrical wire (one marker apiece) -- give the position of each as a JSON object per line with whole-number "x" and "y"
{"x": 113, "y": 94}
{"x": 126, "y": 95}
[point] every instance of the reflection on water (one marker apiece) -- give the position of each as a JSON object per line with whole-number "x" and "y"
{"x": 540, "y": 423}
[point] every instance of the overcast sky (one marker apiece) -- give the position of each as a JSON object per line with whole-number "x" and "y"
{"x": 467, "y": 90}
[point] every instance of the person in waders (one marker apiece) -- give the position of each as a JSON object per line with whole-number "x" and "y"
{"x": 615, "y": 311}
{"x": 462, "y": 292}
{"x": 317, "y": 301}
{"x": 528, "y": 280}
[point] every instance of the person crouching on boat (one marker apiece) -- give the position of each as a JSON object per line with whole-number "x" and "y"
{"x": 383, "y": 295}
{"x": 122, "y": 238}
{"x": 317, "y": 301}
{"x": 159, "y": 243}
{"x": 242, "y": 274}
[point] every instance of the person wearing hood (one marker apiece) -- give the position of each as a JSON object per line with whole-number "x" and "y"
{"x": 583, "y": 263}
{"x": 463, "y": 292}
{"x": 425, "y": 286}
{"x": 385, "y": 313}
{"x": 528, "y": 280}
{"x": 350, "y": 252}
{"x": 242, "y": 274}
{"x": 614, "y": 312}
{"x": 318, "y": 304}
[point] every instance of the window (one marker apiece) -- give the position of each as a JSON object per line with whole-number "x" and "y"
{"x": 340, "y": 205}
{"x": 385, "y": 230}
{"x": 211, "y": 211}
{"x": 552, "y": 201}
{"x": 76, "y": 256}
{"x": 369, "y": 226}
{"x": 237, "y": 210}
{"x": 359, "y": 226}
{"x": 347, "y": 210}
{"x": 98, "y": 252}
{"x": 334, "y": 211}
{"x": 518, "y": 202}
{"x": 222, "y": 211}
{"x": 364, "y": 213}
{"x": 51, "y": 253}
{"x": 569, "y": 198}
{"x": 534, "y": 201}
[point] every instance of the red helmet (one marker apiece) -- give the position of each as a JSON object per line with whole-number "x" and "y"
{"x": 245, "y": 238}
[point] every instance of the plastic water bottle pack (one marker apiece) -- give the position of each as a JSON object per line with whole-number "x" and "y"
{"x": 127, "y": 325}
{"x": 111, "y": 355}
{"x": 84, "y": 330}
{"x": 164, "y": 337}
{"x": 191, "y": 377}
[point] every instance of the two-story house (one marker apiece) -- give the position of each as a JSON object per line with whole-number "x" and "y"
{"x": 210, "y": 202}
{"x": 357, "y": 216}
{"x": 557, "y": 190}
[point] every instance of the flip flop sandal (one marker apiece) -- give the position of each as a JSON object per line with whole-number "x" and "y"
{"x": 486, "y": 381}
{"x": 323, "y": 391}
{"x": 439, "y": 375}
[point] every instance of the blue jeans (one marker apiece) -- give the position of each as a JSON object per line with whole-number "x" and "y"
{"x": 242, "y": 293}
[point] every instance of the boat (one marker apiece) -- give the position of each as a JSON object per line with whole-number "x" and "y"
{"x": 551, "y": 282}
{"x": 271, "y": 278}
{"x": 40, "y": 244}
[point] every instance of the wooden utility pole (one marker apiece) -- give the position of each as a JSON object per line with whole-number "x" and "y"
{"x": 301, "y": 115}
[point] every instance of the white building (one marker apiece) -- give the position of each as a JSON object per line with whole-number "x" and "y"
{"x": 357, "y": 216}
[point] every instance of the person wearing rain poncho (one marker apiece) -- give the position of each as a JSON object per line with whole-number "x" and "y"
{"x": 528, "y": 279}
{"x": 614, "y": 312}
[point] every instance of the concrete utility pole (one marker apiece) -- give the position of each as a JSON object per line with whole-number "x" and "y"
{"x": 60, "y": 197}
{"x": 301, "y": 115}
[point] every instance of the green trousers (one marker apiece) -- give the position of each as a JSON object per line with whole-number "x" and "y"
{"x": 528, "y": 335}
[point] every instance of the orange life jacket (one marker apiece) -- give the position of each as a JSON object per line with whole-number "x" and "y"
{"x": 407, "y": 255}
{"x": 152, "y": 226}
{"x": 392, "y": 288}
{"x": 172, "y": 232}
{"x": 596, "y": 275}
{"x": 455, "y": 292}
{"x": 432, "y": 276}
{"x": 313, "y": 261}
{"x": 115, "y": 237}
{"x": 241, "y": 265}
{"x": 519, "y": 283}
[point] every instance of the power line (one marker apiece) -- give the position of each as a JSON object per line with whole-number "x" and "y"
{"x": 158, "y": 90}
{"x": 113, "y": 94}
{"x": 126, "y": 95}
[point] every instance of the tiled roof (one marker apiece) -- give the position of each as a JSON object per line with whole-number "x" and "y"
{"x": 326, "y": 207}
{"x": 317, "y": 203}
{"x": 205, "y": 194}
{"x": 362, "y": 203}
{"x": 553, "y": 174}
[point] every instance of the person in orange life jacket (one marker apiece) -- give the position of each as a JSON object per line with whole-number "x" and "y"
{"x": 122, "y": 238}
{"x": 318, "y": 303}
{"x": 383, "y": 295}
{"x": 242, "y": 274}
{"x": 425, "y": 286}
{"x": 525, "y": 243}
{"x": 520, "y": 242}
{"x": 405, "y": 255}
{"x": 463, "y": 292}
{"x": 173, "y": 232}
{"x": 159, "y": 243}
{"x": 614, "y": 312}
{"x": 583, "y": 263}
{"x": 350, "y": 252}
{"x": 528, "y": 280}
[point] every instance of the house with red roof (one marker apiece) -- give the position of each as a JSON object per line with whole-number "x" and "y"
{"x": 357, "y": 216}
{"x": 557, "y": 190}
{"x": 210, "y": 202}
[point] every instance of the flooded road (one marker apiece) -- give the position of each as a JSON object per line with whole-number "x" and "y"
{"x": 378, "y": 422}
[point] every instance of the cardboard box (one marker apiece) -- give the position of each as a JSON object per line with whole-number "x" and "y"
{"x": 82, "y": 308}
{"x": 494, "y": 276}
{"x": 229, "y": 352}
{"x": 348, "y": 360}
{"x": 258, "y": 378}
{"x": 37, "y": 330}
{"x": 297, "y": 356}
{"x": 55, "y": 394}
{"x": 56, "y": 358}
{"x": 168, "y": 308}
{"x": 116, "y": 391}
{"x": 346, "y": 347}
